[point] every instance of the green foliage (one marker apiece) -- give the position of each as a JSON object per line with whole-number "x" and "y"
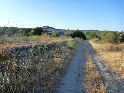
{"x": 71, "y": 44}
{"x": 77, "y": 33}
{"x": 92, "y": 36}
{"x": 110, "y": 37}
{"x": 37, "y": 31}
{"x": 95, "y": 40}
{"x": 54, "y": 34}
{"x": 27, "y": 31}
{"x": 106, "y": 36}
{"x": 10, "y": 31}
{"x": 121, "y": 37}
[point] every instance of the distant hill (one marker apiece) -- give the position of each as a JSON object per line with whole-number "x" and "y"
{"x": 13, "y": 30}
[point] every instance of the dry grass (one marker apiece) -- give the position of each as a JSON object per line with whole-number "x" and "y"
{"x": 6, "y": 43}
{"x": 20, "y": 40}
{"x": 41, "y": 69}
{"x": 113, "y": 56}
{"x": 93, "y": 78}
{"x": 103, "y": 47}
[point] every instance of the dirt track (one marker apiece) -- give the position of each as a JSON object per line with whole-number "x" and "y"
{"x": 73, "y": 81}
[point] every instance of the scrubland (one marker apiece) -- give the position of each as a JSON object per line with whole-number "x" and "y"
{"x": 21, "y": 40}
{"x": 34, "y": 63}
{"x": 112, "y": 54}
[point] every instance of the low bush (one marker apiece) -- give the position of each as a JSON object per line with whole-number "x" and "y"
{"x": 27, "y": 31}
{"x": 110, "y": 37}
{"x": 121, "y": 37}
{"x": 36, "y": 31}
{"x": 71, "y": 44}
{"x": 92, "y": 36}
{"x": 78, "y": 34}
{"x": 107, "y": 36}
{"x": 96, "y": 40}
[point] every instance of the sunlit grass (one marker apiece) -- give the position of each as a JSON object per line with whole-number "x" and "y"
{"x": 93, "y": 77}
{"x": 113, "y": 56}
{"x": 20, "y": 40}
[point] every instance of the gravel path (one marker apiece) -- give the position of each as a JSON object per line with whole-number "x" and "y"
{"x": 72, "y": 81}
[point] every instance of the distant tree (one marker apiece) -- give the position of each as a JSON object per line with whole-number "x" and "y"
{"x": 92, "y": 36}
{"x": 27, "y": 31}
{"x": 103, "y": 35}
{"x": 36, "y": 31}
{"x": 77, "y": 33}
{"x": 110, "y": 37}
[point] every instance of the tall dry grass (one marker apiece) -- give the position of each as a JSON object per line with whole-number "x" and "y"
{"x": 112, "y": 54}
{"x": 93, "y": 78}
{"x": 21, "y": 40}
{"x": 18, "y": 40}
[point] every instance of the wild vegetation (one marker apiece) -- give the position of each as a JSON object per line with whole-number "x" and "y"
{"x": 77, "y": 34}
{"x": 21, "y": 40}
{"x": 111, "y": 47}
{"x": 106, "y": 37}
{"x": 113, "y": 55}
{"x": 32, "y": 60}
{"x": 34, "y": 68}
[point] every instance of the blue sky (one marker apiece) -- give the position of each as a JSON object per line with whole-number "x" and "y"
{"x": 64, "y": 14}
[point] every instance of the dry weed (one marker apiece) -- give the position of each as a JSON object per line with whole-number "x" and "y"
{"x": 93, "y": 78}
{"x": 29, "y": 40}
{"x": 113, "y": 56}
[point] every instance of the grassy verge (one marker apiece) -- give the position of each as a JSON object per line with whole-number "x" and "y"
{"x": 94, "y": 83}
{"x": 112, "y": 54}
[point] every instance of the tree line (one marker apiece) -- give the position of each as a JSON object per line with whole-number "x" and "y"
{"x": 107, "y": 36}
{"x": 96, "y": 36}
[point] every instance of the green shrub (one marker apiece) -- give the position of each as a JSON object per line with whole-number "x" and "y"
{"x": 96, "y": 40}
{"x": 71, "y": 44}
{"x": 36, "y": 31}
{"x": 77, "y": 33}
{"x": 27, "y": 31}
{"x": 92, "y": 36}
{"x": 110, "y": 37}
{"x": 121, "y": 37}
